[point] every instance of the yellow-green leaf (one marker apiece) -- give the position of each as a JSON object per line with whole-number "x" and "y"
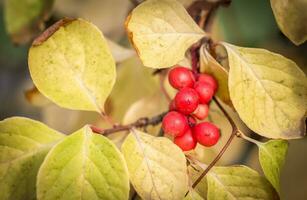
{"x": 291, "y": 18}
{"x": 193, "y": 195}
{"x": 35, "y": 98}
{"x": 268, "y": 91}
{"x": 157, "y": 166}
{"x": 71, "y": 64}
{"x": 24, "y": 19}
{"x": 83, "y": 166}
{"x": 272, "y": 157}
{"x": 23, "y": 146}
{"x": 161, "y": 32}
{"x": 210, "y": 66}
{"x": 238, "y": 182}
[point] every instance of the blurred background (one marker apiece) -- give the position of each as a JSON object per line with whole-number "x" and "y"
{"x": 244, "y": 23}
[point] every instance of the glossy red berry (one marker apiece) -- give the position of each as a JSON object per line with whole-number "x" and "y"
{"x": 186, "y": 100}
{"x": 208, "y": 79}
{"x": 205, "y": 92}
{"x": 175, "y": 124}
{"x": 201, "y": 111}
{"x": 206, "y": 133}
{"x": 186, "y": 142}
{"x": 180, "y": 77}
{"x": 172, "y": 105}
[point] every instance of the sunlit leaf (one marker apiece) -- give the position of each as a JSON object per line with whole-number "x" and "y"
{"x": 23, "y": 146}
{"x": 238, "y": 182}
{"x": 161, "y": 32}
{"x": 24, "y": 19}
{"x": 71, "y": 64}
{"x": 193, "y": 195}
{"x": 83, "y": 166}
{"x": 157, "y": 166}
{"x": 268, "y": 91}
{"x": 291, "y": 18}
{"x": 272, "y": 157}
{"x": 210, "y": 66}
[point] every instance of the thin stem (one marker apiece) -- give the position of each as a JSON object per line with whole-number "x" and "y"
{"x": 243, "y": 136}
{"x": 230, "y": 139}
{"x": 142, "y": 122}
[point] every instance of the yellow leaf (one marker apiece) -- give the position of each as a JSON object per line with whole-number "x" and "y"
{"x": 210, "y": 66}
{"x": 291, "y": 17}
{"x": 161, "y": 32}
{"x": 268, "y": 91}
{"x": 71, "y": 64}
{"x": 157, "y": 167}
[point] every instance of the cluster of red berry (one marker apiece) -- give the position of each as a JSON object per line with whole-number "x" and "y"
{"x": 190, "y": 102}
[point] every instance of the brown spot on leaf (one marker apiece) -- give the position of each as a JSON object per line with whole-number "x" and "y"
{"x": 51, "y": 30}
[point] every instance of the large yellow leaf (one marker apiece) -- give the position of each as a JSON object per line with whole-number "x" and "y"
{"x": 157, "y": 167}
{"x": 71, "y": 64}
{"x": 268, "y": 91}
{"x": 291, "y": 17}
{"x": 83, "y": 166}
{"x": 161, "y": 32}
{"x": 24, "y": 144}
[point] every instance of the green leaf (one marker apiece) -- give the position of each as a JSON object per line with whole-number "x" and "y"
{"x": 23, "y": 145}
{"x": 71, "y": 64}
{"x": 161, "y": 32}
{"x": 83, "y": 166}
{"x": 24, "y": 19}
{"x": 291, "y": 17}
{"x": 238, "y": 182}
{"x": 157, "y": 166}
{"x": 210, "y": 66}
{"x": 268, "y": 91}
{"x": 193, "y": 195}
{"x": 272, "y": 157}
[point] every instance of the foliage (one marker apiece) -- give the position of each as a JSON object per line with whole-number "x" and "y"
{"x": 74, "y": 66}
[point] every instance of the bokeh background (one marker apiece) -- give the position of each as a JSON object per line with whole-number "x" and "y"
{"x": 244, "y": 23}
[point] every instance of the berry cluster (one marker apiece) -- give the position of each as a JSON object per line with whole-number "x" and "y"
{"x": 189, "y": 104}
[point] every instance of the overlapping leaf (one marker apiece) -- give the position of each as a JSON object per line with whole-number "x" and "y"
{"x": 268, "y": 91}
{"x": 291, "y": 17}
{"x": 161, "y": 32}
{"x": 23, "y": 146}
{"x": 157, "y": 166}
{"x": 83, "y": 166}
{"x": 71, "y": 64}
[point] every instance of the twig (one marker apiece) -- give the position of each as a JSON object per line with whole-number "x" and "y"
{"x": 142, "y": 122}
{"x": 231, "y": 137}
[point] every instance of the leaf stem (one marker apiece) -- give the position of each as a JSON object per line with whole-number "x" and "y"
{"x": 235, "y": 131}
{"x": 142, "y": 122}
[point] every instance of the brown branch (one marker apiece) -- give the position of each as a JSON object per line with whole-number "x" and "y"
{"x": 230, "y": 139}
{"x": 142, "y": 122}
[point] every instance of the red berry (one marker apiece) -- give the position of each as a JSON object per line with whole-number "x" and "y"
{"x": 208, "y": 79}
{"x": 201, "y": 111}
{"x": 206, "y": 133}
{"x": 186, "y": 100}
{"x": 186, "y": 142}
{"x": 205, "y": 91}
{"x": 180, "y": 77}
{"x": 172, "y": 105}
{"x": 175, "y": 124}
{"x": 191, "y": 121}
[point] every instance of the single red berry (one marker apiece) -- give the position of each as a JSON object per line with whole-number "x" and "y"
{"x": 205, "y": 91}
{"x": 191, "y": 120}
{"x": 175, "y": 124}
{"x": 206, "y": 133}
{"x": 186, "y": 100}
{"x": 172, "y": 105}
{"x": 186, "y": 142}
{"x": 180, "y": 77}
{"x": 208, "y": 79}
{"x": 201, "y": 111}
